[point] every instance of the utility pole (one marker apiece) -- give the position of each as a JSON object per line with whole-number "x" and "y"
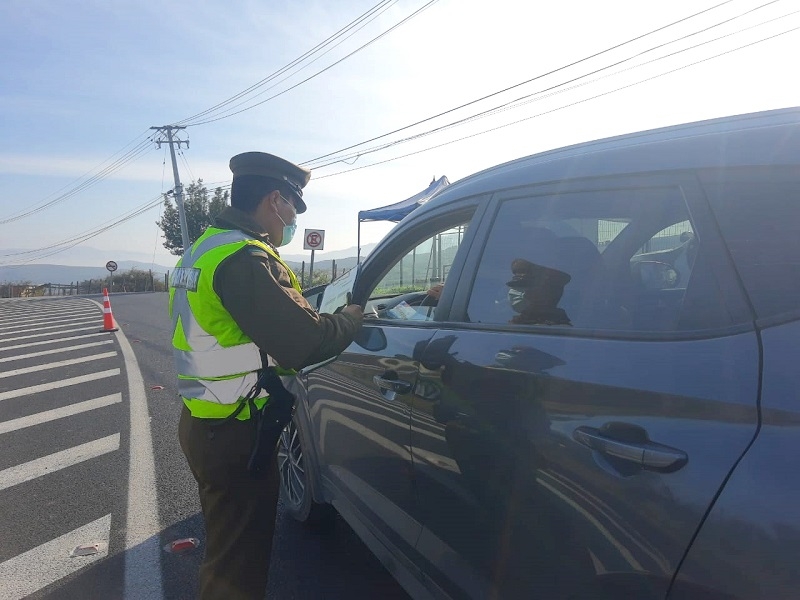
{"x": 171, "y": 140}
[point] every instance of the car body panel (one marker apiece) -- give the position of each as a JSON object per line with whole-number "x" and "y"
{"x": 749, "y": 543}
{"x": 363, "y": 438}
{"x": 507, "y": 489}
{"x": 481, "y": 483}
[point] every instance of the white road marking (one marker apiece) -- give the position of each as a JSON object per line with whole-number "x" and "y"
{"x": 59, "y": 325}
{"x": 55, "y": 462}
{"x": 27, "y": 337}
{"x": 75, "y": 309}
{"x": 59, "y": 413}
{"x": 39, "y": 567}
{"x": 54, "y": 340}
{"x": 60, "y": 363}
{"x": 54, "y": 351}
{"x": 48, "y": 318}
{"x": 143, "y": 547}
{"x": 46, "y": 387}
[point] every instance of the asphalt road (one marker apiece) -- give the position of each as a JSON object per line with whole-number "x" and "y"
{"x": 114, "y": 486}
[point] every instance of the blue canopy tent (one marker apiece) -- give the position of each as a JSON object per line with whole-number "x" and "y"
{"x": 397, "y": 212}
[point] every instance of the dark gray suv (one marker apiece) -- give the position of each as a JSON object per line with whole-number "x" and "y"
{"x": 603, "y": 402}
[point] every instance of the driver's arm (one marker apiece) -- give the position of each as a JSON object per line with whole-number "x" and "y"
{"x": 435, "y": 291}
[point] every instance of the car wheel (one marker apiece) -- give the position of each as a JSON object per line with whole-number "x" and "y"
{"x": 295, "y": 469}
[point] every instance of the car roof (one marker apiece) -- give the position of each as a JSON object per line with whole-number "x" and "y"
{"x": 763, "y": 138}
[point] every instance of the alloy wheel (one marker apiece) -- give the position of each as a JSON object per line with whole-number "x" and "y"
{"x": 292, "y": 467}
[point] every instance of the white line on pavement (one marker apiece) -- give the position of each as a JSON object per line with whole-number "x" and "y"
{"x": 143, "y": 549}
{"x": 59, "y": 413}
{"x": 71, "y": 308}
{"x": 54, "y": 340}
{"x": 39, "y": 567}
{"x": 55, "y": 462}
{"x": 48, "y": 318}
{"x": 27, "y": 337}
{"x": 58, "y": 325}
{"x": 54, "y": 351}
{"x": 60, "y": 363}
{"x": 46, "y": 387}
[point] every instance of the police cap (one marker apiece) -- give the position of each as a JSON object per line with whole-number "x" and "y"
{"x": 262, "y": 164}
{"x": 527, "y": 273}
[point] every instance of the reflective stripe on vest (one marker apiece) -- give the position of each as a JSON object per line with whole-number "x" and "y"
{"x": 217, "y": 363}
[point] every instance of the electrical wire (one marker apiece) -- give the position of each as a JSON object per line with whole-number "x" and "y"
{"x": 298, "y": 70}
{"x": 132, "y": 154}
{"x": 383, "y": 5}
{"x": 524, "y": 100}
{"x": 558, "y": 108}
{"x": 140, "y": 148}
{"x": 121, "y": 162}
{"x": 82, "y": 237}
{"x": 310, "y": 163}
{"x": 372, "y": 41}
{"x": 186, "y": 164}
{"x": 161, "y": 207}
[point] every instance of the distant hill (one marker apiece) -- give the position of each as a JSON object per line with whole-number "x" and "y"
{"x": 61, "y": 274}
{"x": 65, "y": 274}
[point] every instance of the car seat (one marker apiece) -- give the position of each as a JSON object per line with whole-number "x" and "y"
{"x": 580, "y": 258}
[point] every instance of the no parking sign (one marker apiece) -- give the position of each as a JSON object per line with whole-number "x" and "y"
{"x": 314, "y": 239}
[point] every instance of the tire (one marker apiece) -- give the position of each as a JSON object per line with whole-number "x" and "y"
{"x": 295, "y": 468}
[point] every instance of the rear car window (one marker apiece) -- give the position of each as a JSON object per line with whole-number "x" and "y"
{"x": 758, "y": 211}
{"x": 608, "y": 259}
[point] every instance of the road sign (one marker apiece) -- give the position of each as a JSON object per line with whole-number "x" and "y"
{"x": 111, "y": 266}
{"x": 314, "y": 239}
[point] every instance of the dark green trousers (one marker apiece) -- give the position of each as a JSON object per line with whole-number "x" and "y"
{"x": 238, "y": 509}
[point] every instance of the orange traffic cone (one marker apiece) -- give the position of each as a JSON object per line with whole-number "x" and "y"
{"x": 108, "y": 318}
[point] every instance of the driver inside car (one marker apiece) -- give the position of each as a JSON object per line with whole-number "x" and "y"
{"x": 435, "y": 291}
{"x": 534, "y": 293}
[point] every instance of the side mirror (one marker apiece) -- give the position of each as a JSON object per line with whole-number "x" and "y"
{"x": 654, "y": 275}
{"x": 371, "y": 338}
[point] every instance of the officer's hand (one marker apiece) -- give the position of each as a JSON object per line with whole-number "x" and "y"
{"x": 354, "y": 310}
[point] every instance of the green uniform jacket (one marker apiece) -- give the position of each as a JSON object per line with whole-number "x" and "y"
{"x": 257, "y": 291}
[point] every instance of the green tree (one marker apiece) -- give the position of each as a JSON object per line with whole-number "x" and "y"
{"x": 200, "y": 206}
{"x": 319, "y": 278}
{"x": 133, "y": 280}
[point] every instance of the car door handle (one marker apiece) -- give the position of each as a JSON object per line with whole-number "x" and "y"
{"x": 398, "y": 386}
{"x": 645, "y": 453}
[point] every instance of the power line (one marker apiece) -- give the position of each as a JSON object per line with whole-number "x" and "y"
{"x": 80, "y": 238}
{"x": 520, "y": 84}
{"x": 563, "y": 106}
{"x": 128, "y": 157}
{"x": 373, "y": 40}
{"x": 143, "y": 144}
{"x": 523, "y": 100}
{"x": 74, "y": 241}
{"x": 381, "y": 5}
{"x": 186, "y": 164}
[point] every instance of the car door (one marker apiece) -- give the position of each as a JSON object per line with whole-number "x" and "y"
{"x": 360, "y": 403}
{"x": 756, "y": 519}
{"x": 572, "y": 450}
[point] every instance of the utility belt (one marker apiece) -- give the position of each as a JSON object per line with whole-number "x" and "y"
{"x": 268, "y": 415}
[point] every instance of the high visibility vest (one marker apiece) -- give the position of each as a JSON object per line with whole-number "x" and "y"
{"x": 217, "y": 362}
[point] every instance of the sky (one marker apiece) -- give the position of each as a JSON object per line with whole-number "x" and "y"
{"x": 82, "y": 81}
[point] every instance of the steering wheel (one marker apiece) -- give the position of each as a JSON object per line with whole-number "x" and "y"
{"x": 429, "y": 300}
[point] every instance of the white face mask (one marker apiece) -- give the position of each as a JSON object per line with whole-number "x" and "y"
{"x": 288, "y": 229}
{"x": 518, "y": 300}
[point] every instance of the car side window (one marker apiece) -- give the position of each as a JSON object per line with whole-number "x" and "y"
{"x": 619, "y": 259}
{"x": 758, "y": 211}
{"x": 411, "y": 287}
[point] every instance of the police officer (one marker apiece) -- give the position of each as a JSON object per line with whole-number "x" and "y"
{"x": 238, "y": 315}
{"x": 534, "y": 293}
